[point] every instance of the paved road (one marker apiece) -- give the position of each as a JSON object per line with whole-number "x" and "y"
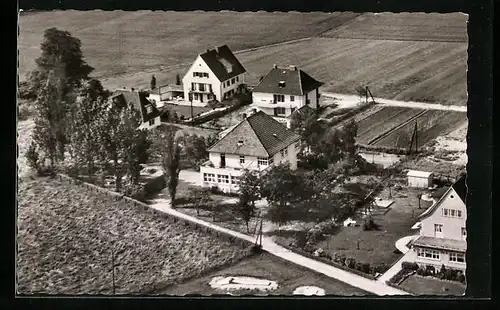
{"x": 375, "y": 287}
{"x": 409, "y": 104}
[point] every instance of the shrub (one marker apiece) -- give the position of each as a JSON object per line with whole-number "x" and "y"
{"x": 430, "y": 269}
{"x": 350, "y": 262}
{"x": 339, "y": 258}
{"x": 421, "y": 272}
{"x": 380, "y": 268}
{"x": 398, "y": 276}
{"x": 461, "y": 278}
{"x": 366, "y": 268}
{"x": 409, "y": 266}
{"x": 33, "y": 157}
{"x": 155, "y": 185}
{"x": 370, "y": 225}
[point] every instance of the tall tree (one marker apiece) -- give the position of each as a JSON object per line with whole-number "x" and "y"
{"x": 153, "y": 82}
{"x": 170, "y": 150}
{"x": 250, "y": 185}
{"x": 61, "y": 51}
{"x": 246, "y": 208}
{"x": 194, "y": 151}
{"x": 177, "y": 79}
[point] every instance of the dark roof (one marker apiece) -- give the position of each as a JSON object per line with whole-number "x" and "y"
{"x": 303, "y": 109}
{"x": 297, "y": 82}
{"x": 440, "y": 243}
{"x": 459, "y": 187}
{"x": 138, "y": 100}
{"x": 438, "y": 193}
{"x": 262, "y": 136}
{"x": 220, "y": 57}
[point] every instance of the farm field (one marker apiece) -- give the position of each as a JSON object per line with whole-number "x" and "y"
{"x": 430, "y": 125}
{"x": 407, "y": 67}
{"x": 120, "y": 43}
{"x": 66, "y": 234}
{"x": 268, "y": 267}
{"x": 404, "y": 26}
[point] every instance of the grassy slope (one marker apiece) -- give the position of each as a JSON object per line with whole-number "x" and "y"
{"x": 271, "y": 268}
{"x": 65, "y": 236}
{"x": 432, "y": 286}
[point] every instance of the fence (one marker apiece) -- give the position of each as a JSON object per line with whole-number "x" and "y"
{"x": 146, "y": 208}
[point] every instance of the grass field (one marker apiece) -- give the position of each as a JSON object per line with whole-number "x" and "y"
{"x": 431, "y": 286}
{"x": 66, "y": 235}
{"x": 127, "y": 47}
{"x": 430, "y": 125}
{"x": 271, "y": 268}
{"x": 405, "y": 26}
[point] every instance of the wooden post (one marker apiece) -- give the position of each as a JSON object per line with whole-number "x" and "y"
{"x": 416, "y": 137}
{"x": 366, "y": 94}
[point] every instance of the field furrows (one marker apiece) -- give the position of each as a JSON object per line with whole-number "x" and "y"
{"x": 390, "y": 131}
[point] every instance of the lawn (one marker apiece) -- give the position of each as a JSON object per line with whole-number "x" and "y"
{"x": 265, "y": 266}
{"x": 377, "y": 247}
{"x": 185, "y": 110}
{"x": 430, "y": 125}
{"x": 66, "y": 234}
{"x": 431, "y": 286}
{"x": 134, "y": 45}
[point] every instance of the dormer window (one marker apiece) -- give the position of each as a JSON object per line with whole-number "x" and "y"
{"x": 149, "y": 109}
{"x": 281, "y": 84}
{"x": 240, "y": 142}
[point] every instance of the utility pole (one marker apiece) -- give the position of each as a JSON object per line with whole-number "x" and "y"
{"x": 416, "y": 137}
{"x": 191, "y": 101}
{"x": 366, "y": 94}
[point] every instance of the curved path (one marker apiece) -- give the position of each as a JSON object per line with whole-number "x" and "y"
{"x": 375, "y": 287}
{"x": 400, "y": 245}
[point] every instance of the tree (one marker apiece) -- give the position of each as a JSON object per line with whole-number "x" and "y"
{"x": 60, "y": 52}
{"x": 177, "y": 79}
{"x": 250, "y": 185}
{"x": 32, "y": 157}
{"x": 153, "y": 82}
{"x": 246, "y": 208}
{"x": 170, "y": 151}
{"x": 282, "y": 186}
{"x": 361, "y": 92}
{"x": 349, "y": 133}
{"x": 194, "y": 151}
{"x": 201, "y": 197}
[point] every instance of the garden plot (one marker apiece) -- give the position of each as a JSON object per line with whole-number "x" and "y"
{"x": 66, "y": 235}
{"x": 430, "y": 125}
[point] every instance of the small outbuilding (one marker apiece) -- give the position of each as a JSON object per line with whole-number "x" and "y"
{"x": 419, "y": 179}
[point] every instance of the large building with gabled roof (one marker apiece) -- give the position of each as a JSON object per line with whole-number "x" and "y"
{"x": 284, "y": 90}
{"x": 215, "y": 75}
{"x": 442, "y": 238}
{"x": 256, "y": 143}
{"x": 150, "y": 115}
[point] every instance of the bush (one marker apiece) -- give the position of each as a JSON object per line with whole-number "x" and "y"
{"x": 409, "y": 266}
{"x": 350, "y": 262}
{"x": 461, "y": 278}
{"x": 430, "y": 269}
{"x": 33, "y": 157}
{"x": 366, "y": 268}
{"x": 155, "y": 185}
{"x": 339, "y": 258}
{"x": 358, "y": 266}
{"x": 380, "y": 268}
{"x": 369, "y": 225}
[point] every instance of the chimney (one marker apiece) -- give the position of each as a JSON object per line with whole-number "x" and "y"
{"x": 275, "y": 66}
{"x": 208, "y": 50}
{"x": 293, "y": 68}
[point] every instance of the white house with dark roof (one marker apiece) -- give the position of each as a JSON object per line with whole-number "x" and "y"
{"x": 284, "y": 90}
{"x": 442, "y": 238}
{"x": 150, "y": 115}
{"x": 215, "y": 75}
{"x": 256, "y": 143}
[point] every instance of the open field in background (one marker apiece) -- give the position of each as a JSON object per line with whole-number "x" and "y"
{"x": 66, "y": 234}
{"x": 405, "y": 26}
{"x": 166, "y": 43}
{"x": 118, "y": 42}
{"x": 268, "y": 267}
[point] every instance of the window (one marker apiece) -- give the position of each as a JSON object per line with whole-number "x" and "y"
{"x": 149, "y": 109}
{"x": 262, "y": 161}
{"x": 210, "y": 88}
{"x": 452, "y": 213}
{"x": 242, "y": 159}
{"x": 438, "y": 227}
{"x": 233, "y": 80}
{"x": 237, "y": 79}
{"x": 279, "y": 98}
{"x": 284, "y": 152}
{"x": 235, "y": 179}
{"x": 430, "y": 254}
{"x": 270, "y": 160}
{"x": 292, "y": 98}
{"x": 279, "y": 111}
{"x": 292, "y": 109}
{"x": 193, "y": 86}
{"x": 151, "y": 122}
{"x": 200, "y": 74}
{"x": 201, "y": 87}
{"x": 222, "y": 178}
{"x": 205, "y": 75}
{"x": 457, "y": 257}
{"x": 308, "y": 101}
{"x": 196, "y": 96}
{"x": 464, "y": 231}
{"x": 297, "y": 145}
{"x": 209, "y": 177}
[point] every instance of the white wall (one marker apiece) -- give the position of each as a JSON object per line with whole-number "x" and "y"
{"x": 313, "y": 98}
{"x": 265, "y": 101}
{"x": 419, "y": 182}
{"x": 291, "y": 157}
{"x": 233, "y": 161}
{"x": 145, "y": 125}
{"x": 452, "y": 227}
{"x": 444, "y": 259}
{"x": 241, "y": 80}
{"x": 230, "y": 187}
{"x": 200, "y": 66}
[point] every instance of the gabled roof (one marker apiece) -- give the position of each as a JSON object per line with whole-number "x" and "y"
{"x": 459, "y": 187}
{"x": 296, "y": 82}
{"x": 124, "y": 98}
{"x": 419, "y": 174}
{"x": 257, "y": 135}
{"x": 223, "y": 63}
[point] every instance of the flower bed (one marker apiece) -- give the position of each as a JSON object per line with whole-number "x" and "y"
{"x": 67, "y": 235}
